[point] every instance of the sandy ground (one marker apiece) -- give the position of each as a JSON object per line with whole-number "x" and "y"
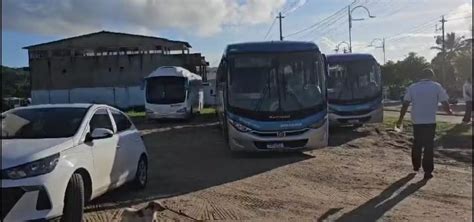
{"x": 364, "y": 175}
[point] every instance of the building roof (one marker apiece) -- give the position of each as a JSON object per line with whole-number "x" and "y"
{"x": 348, "y": 57}
{"x": 155, "y": 40}
{"x": 272, "y": 46}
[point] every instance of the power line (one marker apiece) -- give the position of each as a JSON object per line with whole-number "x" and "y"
{"x": 270, "y": 29}
{"x": 459, "y": 18}
{"x": 324, "y": 26}
{"x": 314, "y": 25}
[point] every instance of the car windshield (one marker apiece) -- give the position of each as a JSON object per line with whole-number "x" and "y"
{"x": 41, "y": 123}
{"x": 356, "y": 80}
{"x": 275, "y": 82}
{"x": 165, "y": 90}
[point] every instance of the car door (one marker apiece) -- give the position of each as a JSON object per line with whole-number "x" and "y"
{"x": 104, "y": 151}
{"x": 129, "y": 143}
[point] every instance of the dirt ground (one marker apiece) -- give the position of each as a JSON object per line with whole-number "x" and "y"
{"x": 364, "y": 175}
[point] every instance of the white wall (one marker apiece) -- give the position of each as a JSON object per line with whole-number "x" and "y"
{"x": 123, "y": 97}
{"x": 209, "y": 93}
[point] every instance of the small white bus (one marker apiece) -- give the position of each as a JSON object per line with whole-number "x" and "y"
{"x": 173, "y": 93}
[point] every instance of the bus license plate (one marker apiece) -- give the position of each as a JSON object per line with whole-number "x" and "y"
{"x": 353, "y": 121}
{"x": 275, "y": 145}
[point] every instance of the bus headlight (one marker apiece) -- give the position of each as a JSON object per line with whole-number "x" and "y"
{"x": 239, "y": 126}
{"x": 182, "y": 110}
{"x": 318, "y": 124}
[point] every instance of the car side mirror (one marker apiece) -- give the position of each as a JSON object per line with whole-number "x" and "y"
{"x": 99, "y": 133}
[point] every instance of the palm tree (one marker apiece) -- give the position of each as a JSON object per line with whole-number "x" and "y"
{"x": 453, "y": 45}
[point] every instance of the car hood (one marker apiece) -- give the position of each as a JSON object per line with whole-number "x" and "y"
{"x": 20, "y": 151}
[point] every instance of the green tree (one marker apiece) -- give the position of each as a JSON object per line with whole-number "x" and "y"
{"x": 398, "y": 75}
{"x": 15, "y": 82}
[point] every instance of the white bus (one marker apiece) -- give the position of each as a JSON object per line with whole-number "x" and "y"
{"x": 173, "y": 93}
{"x": 271, "y": 96}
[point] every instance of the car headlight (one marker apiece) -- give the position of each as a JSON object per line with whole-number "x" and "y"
{"x": 318, "y": 124}
{"x": 149, "y": 111}
{"x": 35, "y": 168}
{"x": 239, "y": 126}
{"x": 182, "y": 110}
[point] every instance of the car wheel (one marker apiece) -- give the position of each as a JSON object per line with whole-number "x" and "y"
{"x": 74, "y": 199}
{"x": 141, "y": 177}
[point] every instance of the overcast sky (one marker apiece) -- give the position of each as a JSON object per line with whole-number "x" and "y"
{"x": 209, "y": 25}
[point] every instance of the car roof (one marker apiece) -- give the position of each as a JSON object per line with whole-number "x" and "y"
{"x": 271, "y": 46}
{"x": 349, "y": 57}
{"x": 68, "y": 105}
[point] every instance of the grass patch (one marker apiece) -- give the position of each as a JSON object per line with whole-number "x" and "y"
{"x": 135, "y": 114}
{"x": 208, "y": 110}
{"x": 442, "y": 128}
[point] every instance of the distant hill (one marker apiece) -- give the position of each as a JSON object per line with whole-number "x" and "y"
{"x": 15, "y": 82}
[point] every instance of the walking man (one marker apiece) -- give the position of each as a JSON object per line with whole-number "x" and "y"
{"x": 467, "y": 93}
{"x": 424, "y": 97}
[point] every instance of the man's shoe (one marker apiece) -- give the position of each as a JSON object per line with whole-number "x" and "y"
{"x": 428, "y": 176}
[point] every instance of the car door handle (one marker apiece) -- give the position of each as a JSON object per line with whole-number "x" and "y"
{"x": 118, "y": 146}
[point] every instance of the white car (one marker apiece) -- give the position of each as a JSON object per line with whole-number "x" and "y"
{"x": 57, "y": 157}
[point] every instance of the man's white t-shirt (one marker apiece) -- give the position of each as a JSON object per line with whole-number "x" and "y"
{"x": 425, "y": 96}
{"x": 467, "y": 91}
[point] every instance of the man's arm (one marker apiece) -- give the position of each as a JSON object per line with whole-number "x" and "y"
{"x": 444, "y": 98}
{"x": 403, "y": 111}
{"x": 447, "y": 107}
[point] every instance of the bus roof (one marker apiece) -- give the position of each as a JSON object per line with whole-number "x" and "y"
{"x": 349, "y": 57}
{"x": 174, "y": 71}
{"x": 272, "y": 46}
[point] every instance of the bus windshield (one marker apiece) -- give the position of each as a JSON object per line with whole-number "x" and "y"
{"x": 165, "y": 90}
{"x": 354, "y": 81}
{"x": 279, "y": 83}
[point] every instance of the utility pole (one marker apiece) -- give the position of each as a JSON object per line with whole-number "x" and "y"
{"x": 383, "y": 49}
{"x": 350, "y": 27}
{"x": 443, "y": 50}
{"x": 281, "y": 32}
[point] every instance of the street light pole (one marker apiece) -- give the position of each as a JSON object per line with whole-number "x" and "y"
{"x": 350, "y": 11}
{"x": 339, "y": 45}
{"x": 379, "y": 47}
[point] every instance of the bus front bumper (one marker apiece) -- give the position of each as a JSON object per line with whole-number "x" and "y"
{"x": 376, "y": 116}
{"x": 250, "y": 141}
{"x": 155, "y": 115}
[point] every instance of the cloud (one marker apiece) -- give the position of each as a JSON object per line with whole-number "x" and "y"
{"x": 198, "y": 17}
{"x": 293, "y": 6}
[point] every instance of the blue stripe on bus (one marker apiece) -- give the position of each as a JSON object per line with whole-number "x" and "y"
{"x": 279, "y": 125}
{"x": 356, "y": 107}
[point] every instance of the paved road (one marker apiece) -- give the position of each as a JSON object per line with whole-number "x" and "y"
{"x": 441, "y": 118}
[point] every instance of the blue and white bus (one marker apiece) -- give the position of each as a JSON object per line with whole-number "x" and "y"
{"x": 354, "y": 89}
{"x": 271, "y": 96}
